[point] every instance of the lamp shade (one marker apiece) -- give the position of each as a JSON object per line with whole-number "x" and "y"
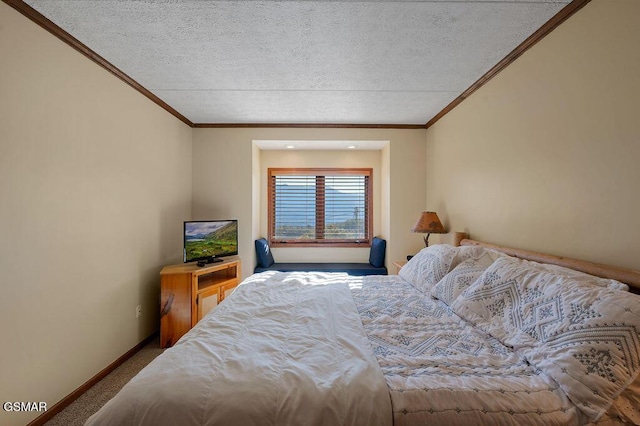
{"x": 429, "y": 223}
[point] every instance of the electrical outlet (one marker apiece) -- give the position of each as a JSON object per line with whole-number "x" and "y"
{"x": 138, "y": 311}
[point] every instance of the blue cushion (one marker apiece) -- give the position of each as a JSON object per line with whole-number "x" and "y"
{"x": 349, "y": 268}
{"x": 263, "y": 252}
{"x": 376, "y": 255}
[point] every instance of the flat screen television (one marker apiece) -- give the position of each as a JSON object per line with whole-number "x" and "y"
{"x": 207, "y": 240}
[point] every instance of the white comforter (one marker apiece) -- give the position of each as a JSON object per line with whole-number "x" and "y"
{"x": 296, "y": 354}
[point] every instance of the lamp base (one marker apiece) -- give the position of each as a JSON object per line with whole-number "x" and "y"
{"x": 426, "y": 240}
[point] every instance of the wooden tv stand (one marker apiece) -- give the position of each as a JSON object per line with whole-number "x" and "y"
{"x": 189, "y": 291}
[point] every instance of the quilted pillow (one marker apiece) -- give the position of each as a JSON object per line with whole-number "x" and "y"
{"x": 473, "y": 252}
{"x": 461, "y": 277}
{"x": 580, "y": 276}
{"x": 426, "y": 268}
{"x": 585, "y": 337}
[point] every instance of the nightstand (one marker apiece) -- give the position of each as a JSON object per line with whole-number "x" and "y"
{"x": 399, "y": 264}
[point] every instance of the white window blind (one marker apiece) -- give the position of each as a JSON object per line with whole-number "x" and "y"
{"x": 320, "y": 206}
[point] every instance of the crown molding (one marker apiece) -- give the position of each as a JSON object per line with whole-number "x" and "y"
{"x": 307, "y": 125}
{"x": 542, "y": 32}
{"x": 45, "y": 23}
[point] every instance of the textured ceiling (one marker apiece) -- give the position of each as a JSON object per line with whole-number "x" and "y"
{"x": 371, "y": 62}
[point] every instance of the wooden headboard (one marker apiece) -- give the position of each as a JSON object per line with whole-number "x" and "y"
{"x": 630, "y": 277}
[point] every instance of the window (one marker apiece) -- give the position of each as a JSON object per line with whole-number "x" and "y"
{"x": 311, "y": 207}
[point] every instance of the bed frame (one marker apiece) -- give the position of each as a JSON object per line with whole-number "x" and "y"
{"x": 630, "y": 277}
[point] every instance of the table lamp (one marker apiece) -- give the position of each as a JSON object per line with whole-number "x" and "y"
{"x": 428, "y": 223}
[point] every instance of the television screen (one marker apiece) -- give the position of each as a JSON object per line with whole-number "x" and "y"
{"x": 206, "y": 240}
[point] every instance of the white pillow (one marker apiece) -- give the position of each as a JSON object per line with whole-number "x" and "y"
{"x": 426, "y": 268}
{"x": 460, "y": 278}
{"x": 585, "y": 337}
{"x": 473, "y": 252}
{"x": 580, "y": 276}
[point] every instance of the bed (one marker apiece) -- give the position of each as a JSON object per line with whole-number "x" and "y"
{"x": 463, "y": 335}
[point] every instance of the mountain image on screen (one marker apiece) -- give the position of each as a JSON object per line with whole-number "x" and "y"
{"x": 206, "y": 239}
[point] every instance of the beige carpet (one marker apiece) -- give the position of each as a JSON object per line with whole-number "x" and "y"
{"x": 91, "y": 401}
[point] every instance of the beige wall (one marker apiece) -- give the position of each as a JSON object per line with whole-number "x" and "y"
{"x": 407, "y": 196}
{"x": 385, "y": 195}
{"x": 95, "y": 181}
{"x": 223, "y": 186}
{"x": 545, "y": 156}
{"x": 228, "y": 157}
